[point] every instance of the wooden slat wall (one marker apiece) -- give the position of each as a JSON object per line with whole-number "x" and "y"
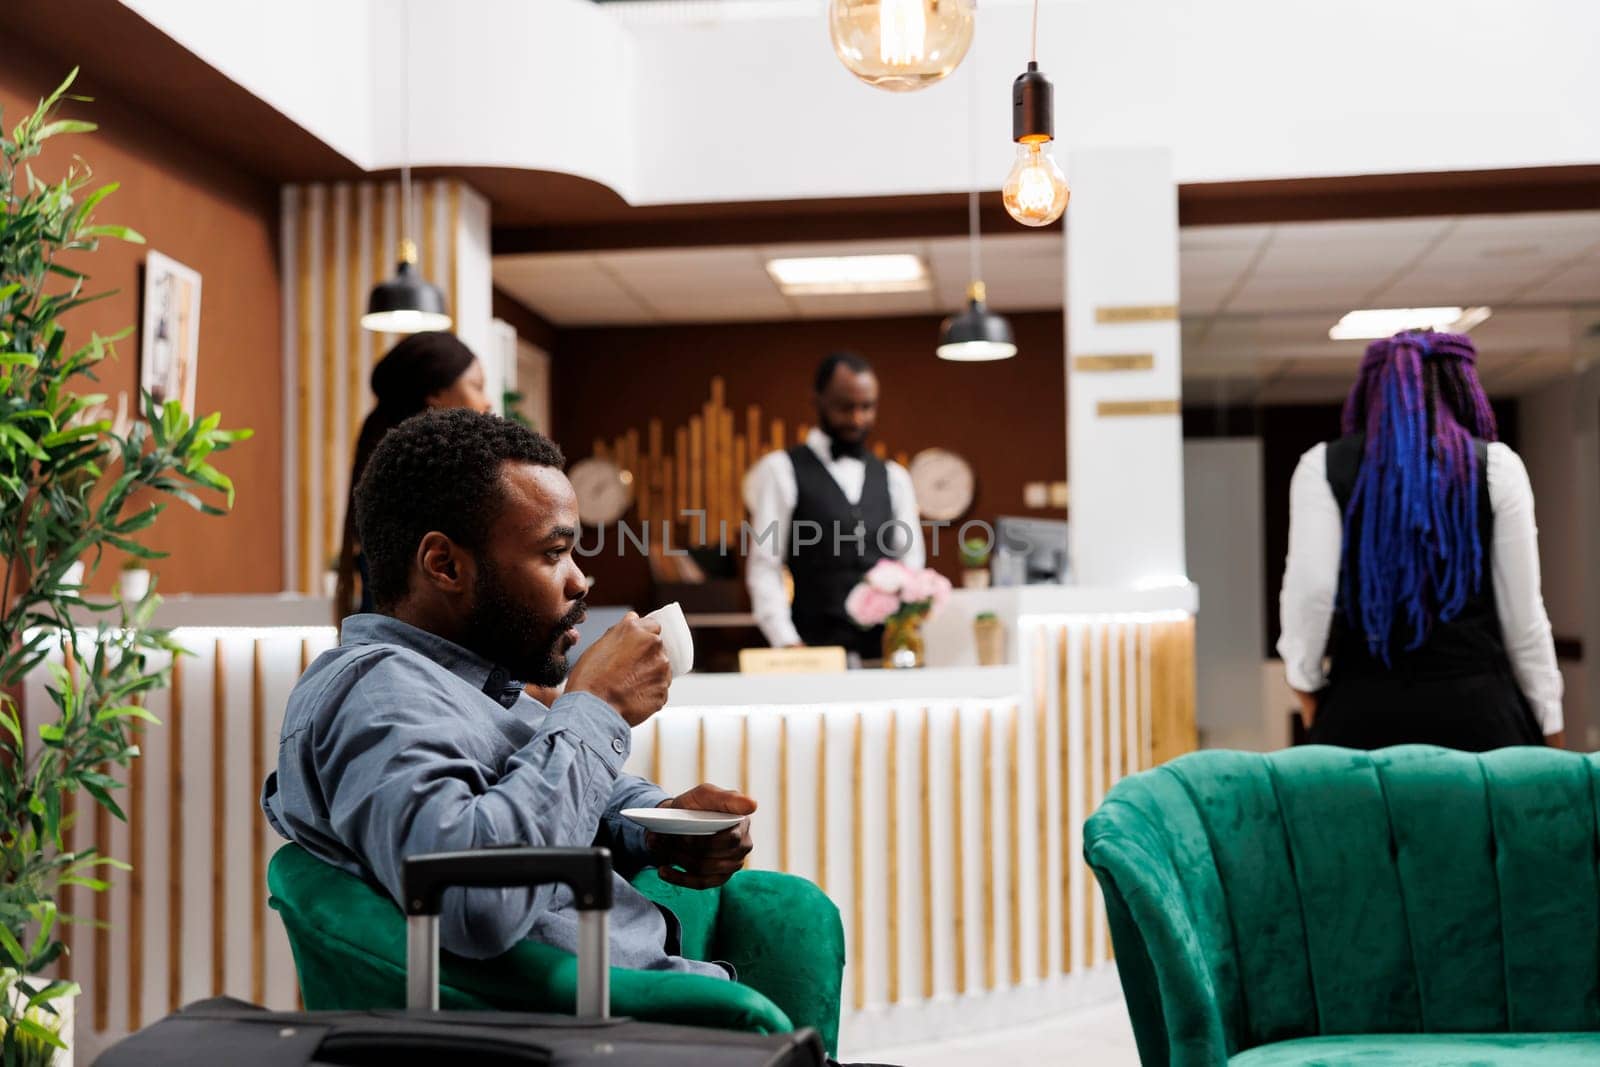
{"x": 338, "y": 238}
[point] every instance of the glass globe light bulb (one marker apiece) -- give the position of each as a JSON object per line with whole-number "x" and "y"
{"x": 1035, "y": 192}
{"x": 900, "y": 45}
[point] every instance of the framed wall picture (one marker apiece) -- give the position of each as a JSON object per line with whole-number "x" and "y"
{"x": 169, "y": 340}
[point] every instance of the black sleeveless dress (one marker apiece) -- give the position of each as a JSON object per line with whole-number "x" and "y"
{"x": 1456, "y": 690}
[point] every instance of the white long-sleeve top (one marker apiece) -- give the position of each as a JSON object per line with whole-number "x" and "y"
{"x": 771, "y": 493}
{"x": 1311, "y": 579}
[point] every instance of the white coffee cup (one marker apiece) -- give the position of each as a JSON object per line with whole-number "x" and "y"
{"x": 675, "y": 637}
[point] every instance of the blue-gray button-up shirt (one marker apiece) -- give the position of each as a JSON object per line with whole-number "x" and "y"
{"x": 399, "y": 742}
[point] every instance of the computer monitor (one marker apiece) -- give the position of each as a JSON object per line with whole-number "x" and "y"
{"x": 1030, "y": 551}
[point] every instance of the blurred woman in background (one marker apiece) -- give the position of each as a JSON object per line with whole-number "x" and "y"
{"x": 426, "y": 370}
{"x": 1414, "y": 566}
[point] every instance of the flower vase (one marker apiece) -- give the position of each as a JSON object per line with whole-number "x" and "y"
{"x": 902, "y": 642}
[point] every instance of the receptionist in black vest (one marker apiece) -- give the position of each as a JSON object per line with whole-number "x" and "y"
{"x": 834, "y": 509}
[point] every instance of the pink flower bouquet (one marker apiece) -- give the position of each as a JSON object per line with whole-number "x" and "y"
{"x": 892, "y": 590}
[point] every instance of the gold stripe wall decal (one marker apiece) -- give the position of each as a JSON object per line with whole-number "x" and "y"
{"x": 1014, "y": 835}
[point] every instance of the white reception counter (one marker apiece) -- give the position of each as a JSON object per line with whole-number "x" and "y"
{"x": 940, "y": 808}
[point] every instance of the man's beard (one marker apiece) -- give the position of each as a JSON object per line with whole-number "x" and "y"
{"x": 510, "y": 635}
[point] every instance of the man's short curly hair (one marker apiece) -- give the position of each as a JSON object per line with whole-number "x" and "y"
{"x": 437, "y": 471}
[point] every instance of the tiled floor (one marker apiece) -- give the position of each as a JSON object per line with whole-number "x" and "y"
{"x": 1095, "y": 1037}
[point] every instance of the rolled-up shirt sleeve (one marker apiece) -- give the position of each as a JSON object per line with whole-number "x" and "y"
{"x": 1311, "y": 573}
{"x": 1518, "y": 598}
{"x": 400, "y": 783}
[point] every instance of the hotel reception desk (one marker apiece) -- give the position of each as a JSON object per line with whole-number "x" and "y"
{"x": 940, "y": 808}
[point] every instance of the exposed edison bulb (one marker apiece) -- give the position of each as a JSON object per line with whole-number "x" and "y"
{"x": 900, "y": 45}
{"x": 1035, "y": 192}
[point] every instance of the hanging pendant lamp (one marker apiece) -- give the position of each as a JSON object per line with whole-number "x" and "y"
{"x": 975, "y": 334}
{"x": 900, "y": 45}
{"x": 407, "y": 302}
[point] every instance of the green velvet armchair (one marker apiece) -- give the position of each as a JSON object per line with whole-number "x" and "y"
{"x": 781, "y": 933}
{"x": 1326, "y": 906}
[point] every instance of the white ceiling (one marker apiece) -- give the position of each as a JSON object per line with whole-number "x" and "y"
{"x": 1257, "y": 301}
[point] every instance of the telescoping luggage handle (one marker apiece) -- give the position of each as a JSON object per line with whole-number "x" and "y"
{"x": 585, "y": 871}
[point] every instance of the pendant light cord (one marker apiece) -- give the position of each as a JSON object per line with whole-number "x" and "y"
{"x": 974, "y": 262}
{"x": 1034, "y": 50}
{"x": 405, "y": 124}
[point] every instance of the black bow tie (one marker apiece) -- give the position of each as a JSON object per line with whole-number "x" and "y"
{"x": 852, "y": 449}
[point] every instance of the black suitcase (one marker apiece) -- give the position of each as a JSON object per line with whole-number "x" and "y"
{"x": 231, "y": 1032}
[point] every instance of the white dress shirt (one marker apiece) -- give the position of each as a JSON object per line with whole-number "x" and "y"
{"x": 1311, "y": 580}
{"x": 771, "y": 493}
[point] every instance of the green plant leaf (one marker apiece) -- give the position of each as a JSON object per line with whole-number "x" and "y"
{"x": 65, "y": 126}
{"x": 39, "y": 1032}
{"x": 13, "y": 949}
{"x": 125, "y": 711}
{"x": 22, "y": 441}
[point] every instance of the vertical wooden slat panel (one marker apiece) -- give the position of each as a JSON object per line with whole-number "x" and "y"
{"x": 1109, "y": 719}
{"x": 892, "y": 847}
{"x": 744, "y": 754}
{"x": 925, "y": 806}
{"x": 779, "y": 442}
{"x": 680, "y": 461}
{"x": 958, "y": 882}
{"x": 1064, "y": 790}
{"x": 258, "y": 832}
{"x": 102, "y": 918}
{"x": 135, "y": 822}
{"x": 1014, "y": 835}
{"x": 783, "y": 793}
{"x": 303, "y": 337}
{"x": 332, "y": 449}
{"x": 68, "y": 896}
{"x": 426, "y": 233}
{"x": 355, "y": 337}
{"x": 730, "y": 487}
{"x": 175, "y": 840}
{"x": 700, "y": 751}
{"x": 801, "y": 432}
{"x": 1146, "y": 757}
{"x": 858, "y": 863}
{"x": 822, "y": 801}
{"x": 452, "y": 243}
{"x": 697, "y": 476}
{"x": 1089, "y": 892}
{"x": 1041, "y": 777}
{"x": 649, "y": 500}
{"x": 219, "y": 826}
{"x": 986, "y": 784}
{"x": 658, "y": 732}
{"x": 752, "y": 433}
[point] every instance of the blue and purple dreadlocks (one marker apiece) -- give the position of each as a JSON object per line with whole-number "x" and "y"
{"x": 1413, "y": 516}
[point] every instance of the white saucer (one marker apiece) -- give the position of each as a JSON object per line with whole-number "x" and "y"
{"x": 685, "y": 822}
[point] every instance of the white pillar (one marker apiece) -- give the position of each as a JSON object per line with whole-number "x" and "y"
{"x": 1124, "y": 428}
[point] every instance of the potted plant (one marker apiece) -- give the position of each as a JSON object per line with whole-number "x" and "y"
{"x": 71, "y": 486}
{"x": 133, "y": 581}
{"x": 990, "y": 634}
{"x": 975, "y": 563}
{"x": 898, "y": 598}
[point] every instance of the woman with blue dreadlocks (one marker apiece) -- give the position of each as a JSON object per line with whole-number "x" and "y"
{"x": 1414, "y": 566}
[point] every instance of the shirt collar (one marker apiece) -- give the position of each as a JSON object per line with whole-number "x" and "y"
{"x": 495, "y": 682}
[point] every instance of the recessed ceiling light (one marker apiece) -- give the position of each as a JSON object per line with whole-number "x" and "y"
{"x": 1373, "y": 323}
{"x": 824, "y": 275}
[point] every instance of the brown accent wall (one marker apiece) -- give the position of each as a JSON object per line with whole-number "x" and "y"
{"x": 221, "y": 221}
{"x": 1007, "y": 418}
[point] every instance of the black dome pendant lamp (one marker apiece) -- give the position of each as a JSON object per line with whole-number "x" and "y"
{"x": 407, "y": 302}
{"x": 975, "y": 334}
